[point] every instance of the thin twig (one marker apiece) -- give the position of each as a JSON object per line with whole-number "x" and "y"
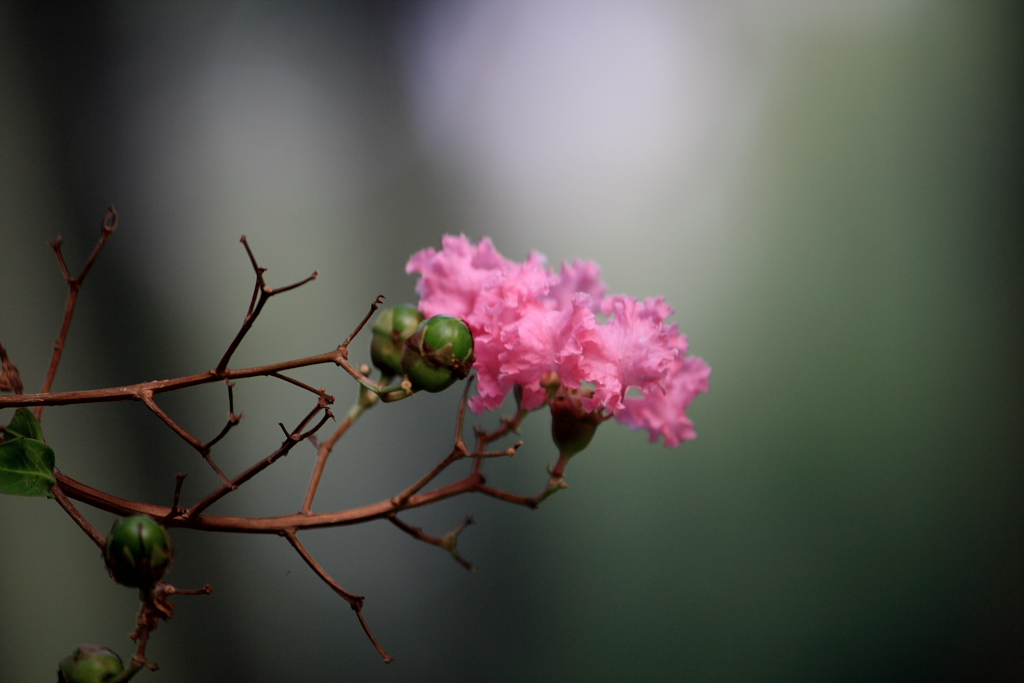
{"x": 73, "y": 512}
{"x": 321, "y": 392}
{"x": 199, "y": 446}
{"x": 323, "y": 451}
{"x": 509, "y": 497}
{"x": 554, "y": 485}
{"x": 354, "y": 601}
{"x": 373, "y": 308}
{"x": 233, "y": 418}
{"x": 508, "y": 424}
{"x": 458, "y": 452}
{"x": 179, "y": 481}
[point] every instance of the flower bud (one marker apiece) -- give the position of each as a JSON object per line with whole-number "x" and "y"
{"x": 439, "y": 352}
{"x": 392, "y": 328}
{"x": 89, "y": 664}
{"x": 571, "y": 428}
{"x": 138, "y": 551}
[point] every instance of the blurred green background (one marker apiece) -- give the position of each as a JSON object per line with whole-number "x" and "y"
{"x": 829, "y": 193}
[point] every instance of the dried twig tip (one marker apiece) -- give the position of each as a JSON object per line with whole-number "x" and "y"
{"x": 110, "y": 220}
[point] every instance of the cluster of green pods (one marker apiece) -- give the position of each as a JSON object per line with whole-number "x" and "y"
{"x": 432, "y": 354}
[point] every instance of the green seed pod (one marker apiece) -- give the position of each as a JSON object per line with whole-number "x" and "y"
{"x": 392, "y": 328}
{"x": 89, "y": 664}
{"x": 439, "y": 352}
{"x": 138, "y": 551}
{"x": 571, "y": 428}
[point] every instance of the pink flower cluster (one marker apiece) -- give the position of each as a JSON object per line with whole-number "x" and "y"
{"x": 615, "y": 353}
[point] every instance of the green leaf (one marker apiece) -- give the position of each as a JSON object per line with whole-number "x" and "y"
{"x": 25, "y": 424}
{"x": 26, "y": 466}
{"x": 26, "y": 462}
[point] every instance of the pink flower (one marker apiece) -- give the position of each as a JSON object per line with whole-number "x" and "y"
{"x": 530, "y": 323}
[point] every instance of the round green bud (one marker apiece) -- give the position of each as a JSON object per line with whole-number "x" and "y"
{"x": 138, "y": 551}
{"x": 90, "y": 664}
{"x": 439, "y": 352}
{"x": 392, "y": 328}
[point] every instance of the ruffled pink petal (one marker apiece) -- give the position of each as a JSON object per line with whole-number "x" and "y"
{"x": 633, "y": 349}
{"x": 454, "y": 277}
{"x": 545, "y": 340}
{"x": 663, "y": 414}
{"x": 580, "y": 276}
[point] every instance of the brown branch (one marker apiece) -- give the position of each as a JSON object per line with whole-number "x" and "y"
{"x": 74, "y": 286}
{"x": 555, "y": 483}
{"x": 354, "y": 601}
{"x": 102, "y": 500}
{"x": 135, "y": 392}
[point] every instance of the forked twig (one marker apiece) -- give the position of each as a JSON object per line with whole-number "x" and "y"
{"x": 291, "y": 440}
{"x": 447, "y": 542}
{"x": 261, "y": 293}
{"x": 233, "y": 418}
{"x": 202, "y": 448}
{"x": 74, "y": 286}
{"x": 458, "y": 452}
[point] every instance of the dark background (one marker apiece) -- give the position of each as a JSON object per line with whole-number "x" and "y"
{"x": 830, "y": 194}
